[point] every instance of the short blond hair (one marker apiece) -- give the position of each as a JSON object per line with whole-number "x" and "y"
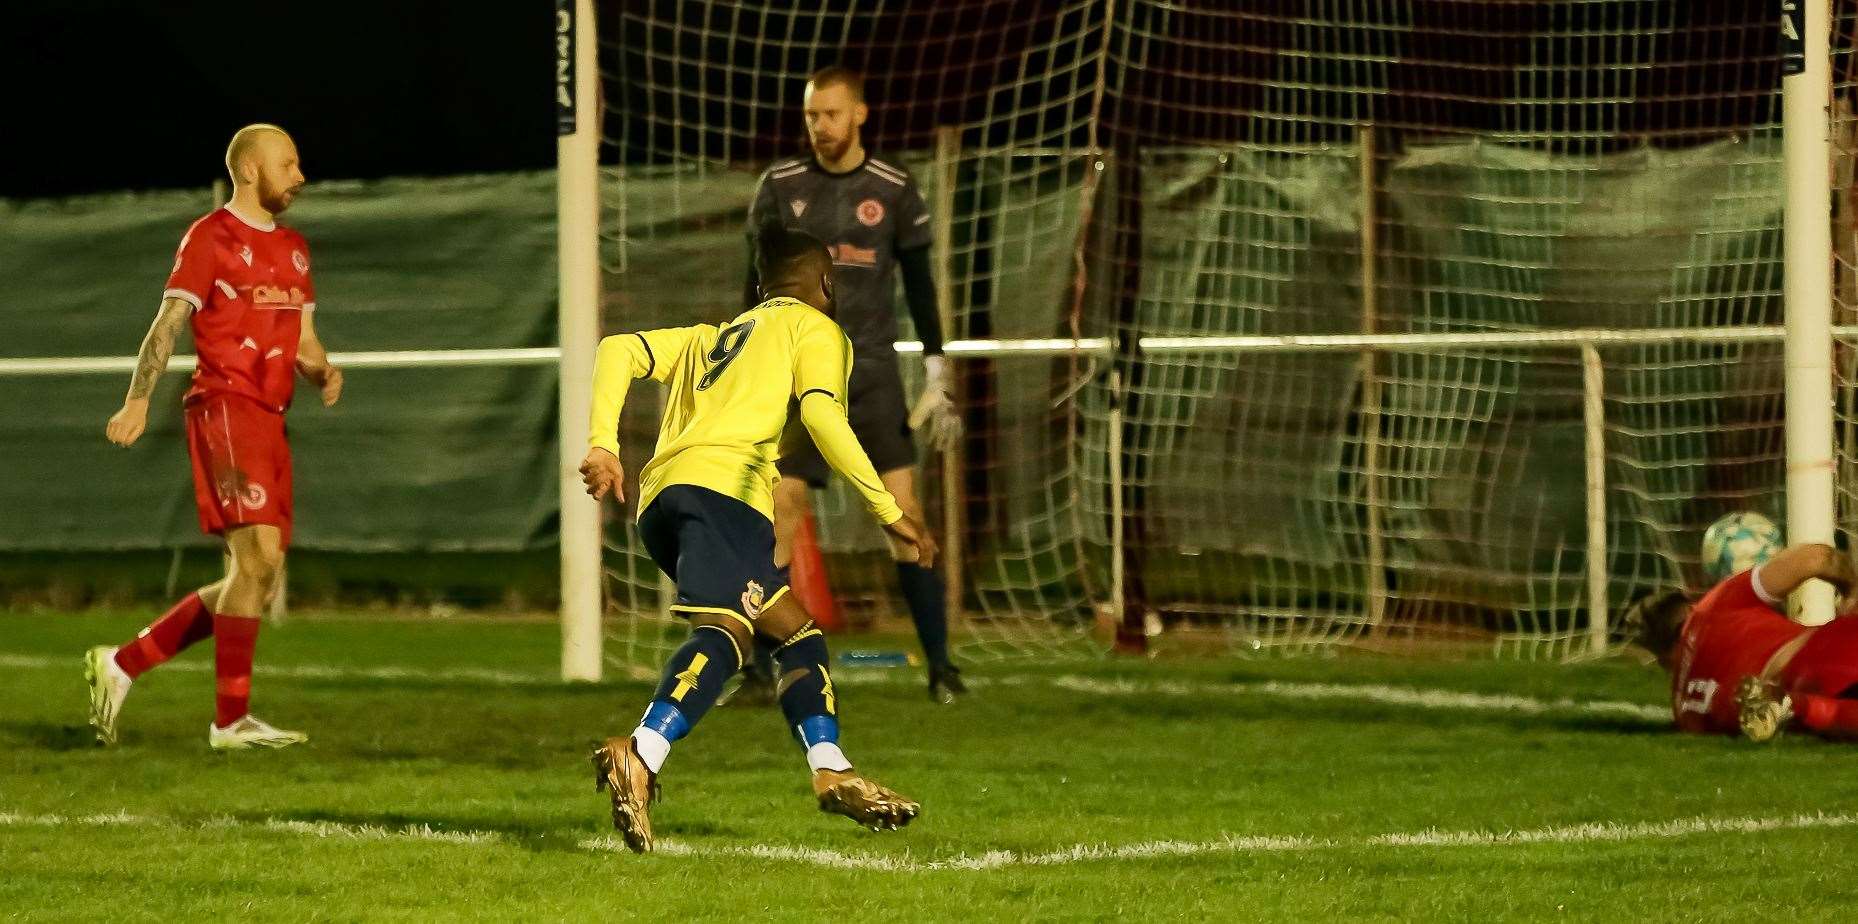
{"x": 242, "y": 143}
{"x": 836, "y": 76}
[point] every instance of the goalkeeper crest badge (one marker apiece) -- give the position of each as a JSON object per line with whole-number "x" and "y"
{"x": 751, "y": 600}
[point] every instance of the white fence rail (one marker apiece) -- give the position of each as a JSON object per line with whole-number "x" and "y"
{"x": 1586, "y": 343}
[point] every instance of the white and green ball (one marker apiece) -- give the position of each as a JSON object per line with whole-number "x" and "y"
{"x": 1738, "y": 542}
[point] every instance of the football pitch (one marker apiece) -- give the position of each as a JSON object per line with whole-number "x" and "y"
{"x": 446, "y": 777}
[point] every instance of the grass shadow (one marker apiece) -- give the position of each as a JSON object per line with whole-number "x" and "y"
{"x": 50, "y": 736}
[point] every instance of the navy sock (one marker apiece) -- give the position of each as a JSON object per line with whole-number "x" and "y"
{"x": 806, "y": 687}
{"x": 693, "y": 681}
{"x": 922, "y": 588}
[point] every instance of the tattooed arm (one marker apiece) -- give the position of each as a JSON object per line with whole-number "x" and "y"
{"x": 126, "y": 425}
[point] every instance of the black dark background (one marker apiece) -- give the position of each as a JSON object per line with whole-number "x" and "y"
{"x": 101, "y": 95}
{"x": 98, "y": 95}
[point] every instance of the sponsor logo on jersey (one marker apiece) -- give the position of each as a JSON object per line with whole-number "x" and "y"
{"x": 245, "y": 253}
{"x": 298, "y": 260}
{"x": 799, "y": 207}
{"x": 870, "y": 213}
{"x": 276, "y": 295}
{"x": 853, "y": 256}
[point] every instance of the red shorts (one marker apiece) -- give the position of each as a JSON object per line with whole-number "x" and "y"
{"x": 1828, "y": 663}
{"x": 241, "y": 463}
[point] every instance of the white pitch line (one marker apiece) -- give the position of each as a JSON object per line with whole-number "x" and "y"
{"x": 1228, "y": 844}
{"x": 1370, "y": 692}
{"x": 318, "y": 671}
{"x": 1360, "y": 692}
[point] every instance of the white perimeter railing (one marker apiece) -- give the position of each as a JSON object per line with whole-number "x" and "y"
{"x": 1588, "y": 343}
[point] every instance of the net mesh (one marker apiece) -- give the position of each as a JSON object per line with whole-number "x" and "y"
{"x": 1137, "y": 168}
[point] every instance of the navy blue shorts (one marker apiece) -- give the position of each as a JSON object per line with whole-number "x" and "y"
{"x": 719, "y": 550}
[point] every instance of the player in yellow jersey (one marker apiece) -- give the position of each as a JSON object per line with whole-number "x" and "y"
{"x": 706, "y": 515}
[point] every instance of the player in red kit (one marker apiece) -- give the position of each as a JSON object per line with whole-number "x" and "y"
{"x": 243, "y": 282}
{"x": 1738, "y": 663}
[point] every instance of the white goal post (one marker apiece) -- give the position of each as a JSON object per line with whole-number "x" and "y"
{"x": 1806, "y": 158}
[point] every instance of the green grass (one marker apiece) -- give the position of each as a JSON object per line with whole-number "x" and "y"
{"x": 1027, "y": 765}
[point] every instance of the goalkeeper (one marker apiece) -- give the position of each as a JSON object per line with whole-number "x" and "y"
{"x": 876, "y": 225}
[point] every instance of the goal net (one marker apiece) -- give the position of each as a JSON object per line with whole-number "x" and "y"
{"x": 1133, "y": 171}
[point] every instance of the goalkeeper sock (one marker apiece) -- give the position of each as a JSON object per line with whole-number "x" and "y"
{"x": 808, "y": 700}
{"x": 693, "y": 681}
{"x": 928, "y": 609}
{"x": 235, "y": 638}
{"x": 186, "y": 623}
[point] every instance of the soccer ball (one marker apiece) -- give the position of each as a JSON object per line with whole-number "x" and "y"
{"x": 1738, "y": 542}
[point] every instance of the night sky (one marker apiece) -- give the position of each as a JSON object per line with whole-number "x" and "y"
{"x": 115, "y": 95}
{"x": 103, "y": 95}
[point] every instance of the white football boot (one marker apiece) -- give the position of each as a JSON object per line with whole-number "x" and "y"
{"x": 108, "y": 686}
{"x": 251, "y": 732}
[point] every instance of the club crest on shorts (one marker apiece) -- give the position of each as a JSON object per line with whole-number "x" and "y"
{"x": 253, "y": 497}
{"x": 231, "y": 486}
{"x": 298, "y": 260}
{"x": 751, "y": 600}
{"x": 870, "y": 212}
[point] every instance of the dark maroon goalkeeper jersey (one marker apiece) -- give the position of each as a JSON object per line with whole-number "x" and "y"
{"x": 865, "y": 216}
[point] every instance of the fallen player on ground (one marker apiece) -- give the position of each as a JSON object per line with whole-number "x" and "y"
{"x": 1738, "y": 664}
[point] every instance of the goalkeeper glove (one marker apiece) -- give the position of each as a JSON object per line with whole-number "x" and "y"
{"x": 936, "y": 407}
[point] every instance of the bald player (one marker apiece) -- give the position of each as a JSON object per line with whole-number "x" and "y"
{"x": 242, "y": 282}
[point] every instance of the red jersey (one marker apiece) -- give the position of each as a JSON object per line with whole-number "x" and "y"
{"x": 1827, "y": 664}
{"x": 249, "y": 285}
{"x": 1731, "y": 634}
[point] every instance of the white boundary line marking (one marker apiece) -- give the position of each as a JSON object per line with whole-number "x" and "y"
{"x": 316, "y": 671}
{"x": 1381, "y": 694}
{"x": 1372, "y": 692}
{"x": 1593, "y": 832}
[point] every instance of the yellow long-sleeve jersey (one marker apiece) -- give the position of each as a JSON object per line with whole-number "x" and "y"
{"x": 728, "y": 393}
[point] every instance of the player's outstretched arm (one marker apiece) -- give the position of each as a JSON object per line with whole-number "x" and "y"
{"x": 127, "y": 424}
{"x": 620, "y": 359}
{"x": 1785, "y": 572}
{"x": 313, "y": 362}
{"x": 824, "y": 418}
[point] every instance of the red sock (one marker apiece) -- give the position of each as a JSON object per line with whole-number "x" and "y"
{"x": 185, "y": 624}
{"x": 234, "y": 639}
{"x": 1828, "y": 715}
